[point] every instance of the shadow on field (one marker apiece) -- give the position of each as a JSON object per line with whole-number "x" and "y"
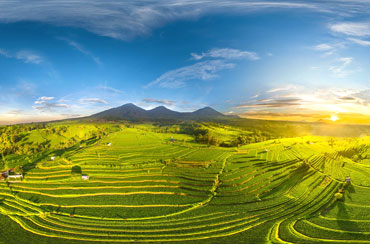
{"x": 350, "y": 189}
{"x": 60, "y": 152}
{"x": 294, "y": 178}
{"x": 276, "y": 165}
{"x": 343, "y": 214}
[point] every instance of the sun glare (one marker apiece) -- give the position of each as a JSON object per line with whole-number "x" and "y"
{"x": 334, "y": 118}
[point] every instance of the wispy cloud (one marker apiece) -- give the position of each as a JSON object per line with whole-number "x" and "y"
{"x": 204, "y": 70}
{"x": 283, "y": 88}
{"x": 44, "y": 104}
{"x": 110, "y": 89}
{"x": 273, "y": 103}
{"x": 306, "y": 102}
{"x": 130, "y": 18}
{"x": 29, "y": 57}
{"x": 43, "y": 100}
{"x": 4, "y": 53}
{"x": 215, "y": 60}
{"x": 323, "y": 47}
{"x": 340, "y": 69}
{"x": 15, "y": 111}
{"x": 359, "y": 41}
{"x": 158, "y": 101}
{"x": 83, "y": 50}
{"x": 26, "y": 56}
{"x": 92, "y": 100}
{"x": 351, "y": 28}
{"x": 226, "y": 53}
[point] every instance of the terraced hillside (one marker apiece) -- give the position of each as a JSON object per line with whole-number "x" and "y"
{"x": 147, "y": 187}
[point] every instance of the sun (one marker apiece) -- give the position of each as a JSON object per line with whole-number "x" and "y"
{"x": 334, "y": 118}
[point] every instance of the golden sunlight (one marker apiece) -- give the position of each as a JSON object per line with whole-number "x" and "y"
{"x": 334, "y": 118}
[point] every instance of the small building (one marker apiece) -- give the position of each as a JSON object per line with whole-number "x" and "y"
{"x": 109, "y": 144}
{"x": 85, "y": 177}
{"x": 172, "y": 140}
{"x": 266, "y": 150}
{"x": 52, "y": 157}
{"x": 15, "y": 177}
{"x": 5, "y": 173}
{"x": 348, "y": 179}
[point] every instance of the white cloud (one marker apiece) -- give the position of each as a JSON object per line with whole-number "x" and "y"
{"x": 158, "y": 101}
{"x": 226, "y": 53}
{"x": 323, "y": 47}
{"x": 44, "y": 104}
{"x": 49, "y": 106}
{"x": 28, "y": 57}
{"x": 218, "y": 60}
{"x": 340, "y": 69}
{"x": 359, "y": 41}
{"x": 130, "y": 18}
{"x": 15, "y": 111}
{"x": 110, "y": 89}
{"x": 204, "y": 70}
{"x": 284, "y": 88}
{"x": 93, "y": 100}
{"x": 46, "y": 98}
{"x": 83, "y": 50}
{"x": 23, "y": 55}
{"x": 351, "y": 28}
{"x": 43, "y": 100}
{"x": 306, "y": 99}
{"x": 4, "y": 53}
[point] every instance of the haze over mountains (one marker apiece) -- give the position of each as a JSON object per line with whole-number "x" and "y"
{"x": 130, "y": 111}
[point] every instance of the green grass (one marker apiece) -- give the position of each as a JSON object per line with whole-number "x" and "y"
{"x": 146, "y": 189}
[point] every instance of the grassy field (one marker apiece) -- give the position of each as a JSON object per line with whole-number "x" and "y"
{"x": 151, "y": 187}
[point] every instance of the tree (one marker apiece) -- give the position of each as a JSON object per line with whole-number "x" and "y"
{"x": 18, "y": 169}
{"x": 338, "y": 195}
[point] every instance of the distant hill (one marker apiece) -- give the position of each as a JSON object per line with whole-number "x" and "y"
{"x": 130, "y": 111}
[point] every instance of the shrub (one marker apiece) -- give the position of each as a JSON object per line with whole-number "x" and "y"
{"x": 338, "y": 196}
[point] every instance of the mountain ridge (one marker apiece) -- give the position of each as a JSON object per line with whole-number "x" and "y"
{"x": 130, "y": 111}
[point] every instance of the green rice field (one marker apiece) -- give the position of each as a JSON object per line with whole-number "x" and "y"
{"x": 149, "y": 187}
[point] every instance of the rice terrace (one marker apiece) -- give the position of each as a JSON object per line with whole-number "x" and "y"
{"x": 140, "y": 182}
{"x": 185, "y": 121}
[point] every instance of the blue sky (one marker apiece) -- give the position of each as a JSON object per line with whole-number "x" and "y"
{"x": 296, "y": 60}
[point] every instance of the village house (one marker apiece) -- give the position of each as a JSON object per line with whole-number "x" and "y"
{"x": 11, "y": 175}
{"x": 109, "y": 144}
{"x": 85, "y": 177}
{"x": 15, "y": 177}
{"x": 5, "y": 173}
{"x": 52, "y": 157}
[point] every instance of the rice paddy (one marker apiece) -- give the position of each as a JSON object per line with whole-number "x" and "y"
{"x": 148, "y": 187}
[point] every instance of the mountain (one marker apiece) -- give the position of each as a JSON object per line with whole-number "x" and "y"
{"x": 207, "y": 112}
{"x": 128, "y": 110}
{"x": 132, "y": 112}
{"x": 162, "y": 112}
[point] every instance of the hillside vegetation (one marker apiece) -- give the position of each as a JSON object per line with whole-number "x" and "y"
{"x": 155, "y": 183}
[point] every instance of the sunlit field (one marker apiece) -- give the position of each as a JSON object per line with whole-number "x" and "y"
{"x": 146, "y": 186}
{"x": 184, "y": 121}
